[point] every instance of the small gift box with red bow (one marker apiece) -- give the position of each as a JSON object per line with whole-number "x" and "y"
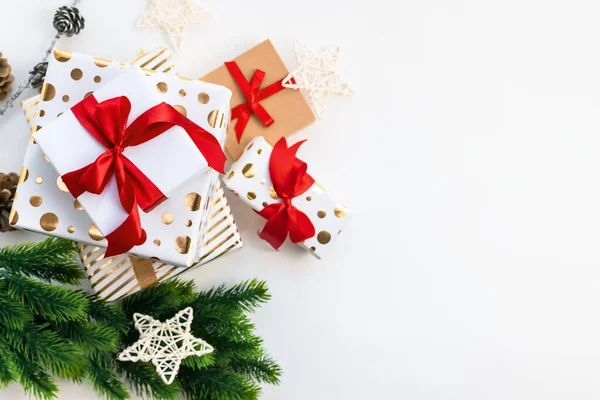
{"x": 275, "y": 183}
{"x": 261, "y": 106}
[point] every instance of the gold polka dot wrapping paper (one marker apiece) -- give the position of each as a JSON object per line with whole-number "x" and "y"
{"x": 115, "y": 277}
{"x": 249, "y": 179}
{"x": 169, "y": 160}
{"x": 48, "y": 204}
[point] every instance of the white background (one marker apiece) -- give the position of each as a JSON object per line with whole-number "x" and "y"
{"x": 470, "y": 157}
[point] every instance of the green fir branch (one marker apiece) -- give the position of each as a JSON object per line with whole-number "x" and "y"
{"x": 199, "y": 363}
{"x": 52, "y": 259}
{"x": 92, "y": 338}
{"x": 13, "y": 315}
{"x": 261, "y": 369}
{"x": 34, "y": 379}
{"x": 145, "y": 382}
{"x": 216, "y": 384}
{"x": 102, "y": 311}
{"x": 159, "y": 301}
{"x": 246, "y": 296}
{"x": 53, "y": 303}
{"x": 40, "y": 344}
{"x": 238, "y": 364}
{"x": 102, "y": 375}
{"x": 8, "y": 369}
{"x": 234, "y": 350}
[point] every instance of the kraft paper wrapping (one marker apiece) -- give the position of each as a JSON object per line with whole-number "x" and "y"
{"x": 249, "y": 179}
{"x": 43, "y": 205}
{"x": 288, "y": 108}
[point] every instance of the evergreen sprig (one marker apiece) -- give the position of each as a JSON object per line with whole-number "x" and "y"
{"x": 52, "y": 259}
{"x": 236, "y": 367}
{"x": 48, "y": 330}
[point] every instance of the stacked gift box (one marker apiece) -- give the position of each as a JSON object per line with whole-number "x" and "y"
{"x": 178, "y": 216}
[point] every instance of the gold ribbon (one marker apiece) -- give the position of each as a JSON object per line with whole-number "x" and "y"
{"x": 143, "y": 269}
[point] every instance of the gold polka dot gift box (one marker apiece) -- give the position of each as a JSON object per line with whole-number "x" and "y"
{"x": 167, "y": 161}
{"x": 249, "y": 178}
{"x": 44, "y": 205}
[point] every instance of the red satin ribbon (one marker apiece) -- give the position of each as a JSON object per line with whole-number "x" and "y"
{"x": 253, "y": 95}
{"x": 290, "y": 180}
{"x": 107, "y": 123}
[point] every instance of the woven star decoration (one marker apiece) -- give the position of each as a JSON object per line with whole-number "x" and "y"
{"x": 165, "y": 343}
{"x": 317, "y": 75}
{"x": 173, "y": 16}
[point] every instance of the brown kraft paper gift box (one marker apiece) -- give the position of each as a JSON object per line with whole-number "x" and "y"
{"x": 288, "y": 108}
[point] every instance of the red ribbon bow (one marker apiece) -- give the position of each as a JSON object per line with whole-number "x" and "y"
{"x": 253, "y": 94}
{"x": 290, "y": 180}
{"x": 107, "y": 123}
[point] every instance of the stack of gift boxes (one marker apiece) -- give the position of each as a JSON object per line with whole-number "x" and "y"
{"x": 127, "y": 159}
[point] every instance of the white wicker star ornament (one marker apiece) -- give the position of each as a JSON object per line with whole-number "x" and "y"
{"x": 165, "y": 343}
{"x": 173, "y": 16}
{"x": 317, "y": 75}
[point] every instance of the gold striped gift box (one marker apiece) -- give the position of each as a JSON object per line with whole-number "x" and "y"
{"x": 119, "y": 276}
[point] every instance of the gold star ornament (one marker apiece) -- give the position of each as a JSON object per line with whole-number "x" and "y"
{"x": 173, "y": 16}
{"x": 317, "y": 75}
{"x": 165, "y": 343}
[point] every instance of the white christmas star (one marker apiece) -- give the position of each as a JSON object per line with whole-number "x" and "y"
{"x": 173, "y": 16}
{"x": 165, "y": 343}
{"x": 317, "y": 74}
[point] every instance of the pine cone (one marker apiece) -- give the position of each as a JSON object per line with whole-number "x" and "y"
{"x": 8, "y": 189}
{"x": 68, "y": 21}
{"x": 38, "y": 74}
{"x": 6, "y": 78}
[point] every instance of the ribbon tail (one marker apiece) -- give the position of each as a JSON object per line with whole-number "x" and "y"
{"x": 130, "y": 232}
{"x": 123, "y": 239}
{"x": 162, "y": 117}
{"x": 262, "y": 114}
{"x": 270, "y": 90}
{"x": 240, "y": 125}
{"x": 299, "y": 225}
{"x": 71, "y": 181}
{"x": 147, "y": 195}
{"x": 275, "y": 230}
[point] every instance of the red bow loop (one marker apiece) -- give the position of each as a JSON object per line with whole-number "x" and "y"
{"x": 290, "y": 179}
{"x": 253, "y": 95}
{"x": 107, "y": 123}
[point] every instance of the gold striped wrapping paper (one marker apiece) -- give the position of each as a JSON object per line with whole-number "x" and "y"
{"x": 116, "y": 277}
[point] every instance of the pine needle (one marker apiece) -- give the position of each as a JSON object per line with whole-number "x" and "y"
{"x": 101, "y": 311}
{"x": 145, "y": 382}
{"x": 92, "y": 338}
{"x": 159, "y": 301}
{"x": 40, "y": 344}
{"x": 246, "y": 296}
{"x": 101, "y": 375}
{"x": 52, "y": 259}
{"x": 13, "y": 315}
{"x": 53, "y": 303}
{"x": 34, "y": 380}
